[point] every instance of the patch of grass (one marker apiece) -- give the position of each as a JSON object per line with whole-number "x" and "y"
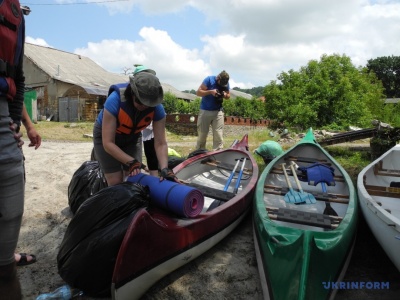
{"x": 352, "y": 161}
{"x": 62, "y": 131}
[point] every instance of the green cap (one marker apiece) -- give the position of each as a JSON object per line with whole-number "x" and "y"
{"x": 141, "y": 68}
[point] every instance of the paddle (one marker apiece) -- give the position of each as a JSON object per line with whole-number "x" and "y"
{"x": 291, "y": 196}
{"x": 240, "y": 176}
{"x": 231, "y": 176}
{"x": 328, "y": 208}
{"x": 305, "y": 197}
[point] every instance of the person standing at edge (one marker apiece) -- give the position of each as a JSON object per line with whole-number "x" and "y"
{"x": 12, "y": 183}
{"x": 213, "y": 90}
{"x": 130, "y": 108}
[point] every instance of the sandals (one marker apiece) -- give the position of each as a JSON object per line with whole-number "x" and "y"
{"x": 24, "y": 260}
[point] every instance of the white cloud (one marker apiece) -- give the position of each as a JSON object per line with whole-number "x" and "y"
{"x": 173, "y": 64}
{"x": 38, "y": 41}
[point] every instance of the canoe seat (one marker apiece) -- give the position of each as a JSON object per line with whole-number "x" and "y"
{"x": 212, "y": 192}
{"x": 384, "y": 191}
{"x": 224, "y": 166}
{"x": 304, "y": 218}
{"x": 327, "y": 197}
{"x": 307, "y": 160}
{"x": 379, "y": 170}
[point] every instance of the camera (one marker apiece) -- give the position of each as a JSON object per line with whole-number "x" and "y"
{"x": 219, "y": 94}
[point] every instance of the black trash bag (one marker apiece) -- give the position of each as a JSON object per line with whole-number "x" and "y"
{"x": 173, "y": 161}
{"x": 90, "y": 246}
{"x": 86, "y": 181}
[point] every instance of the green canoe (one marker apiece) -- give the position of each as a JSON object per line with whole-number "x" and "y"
{"x": 304, "y": 230}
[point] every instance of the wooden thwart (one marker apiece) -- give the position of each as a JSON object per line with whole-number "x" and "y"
{"x": 379, "y": 170}
{"x": 328, "y": 197}
{"x": 276, "y": 170}
{"x": 304, "y": 218}
{"x": 375, "y": 190}
{"x": 212, "y": 192}
{"x": 225, "y": 166}
{"x": 308, "y": 160}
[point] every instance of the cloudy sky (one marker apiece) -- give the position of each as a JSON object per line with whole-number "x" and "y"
{"x": 186, "y": 40}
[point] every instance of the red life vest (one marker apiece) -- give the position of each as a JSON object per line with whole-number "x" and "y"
{"x": 11, "y": 44}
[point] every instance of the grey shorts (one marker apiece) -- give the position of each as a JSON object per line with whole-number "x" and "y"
{"x": 107, "y": 162}
{"x": 12, "y": 189}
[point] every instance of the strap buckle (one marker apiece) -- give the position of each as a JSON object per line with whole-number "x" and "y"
{"x": 6, "y": 69}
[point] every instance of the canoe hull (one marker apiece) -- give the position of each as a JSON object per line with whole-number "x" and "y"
{"x": 158, "y": 242}
{"x": 381, "y": 210}
{"x": 298, "y": 259}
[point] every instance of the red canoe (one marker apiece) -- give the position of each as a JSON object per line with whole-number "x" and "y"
{"x": 157, "y": 242}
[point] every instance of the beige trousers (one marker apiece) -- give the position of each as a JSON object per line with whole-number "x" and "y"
{"x": 215, "y": 118}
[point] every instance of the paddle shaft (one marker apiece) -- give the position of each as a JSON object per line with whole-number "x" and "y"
{"x": 231, "y": 176}
{"x": 286, "y": 176}
{"x": 295, "y": 176}
{"x": 240, "y": 176}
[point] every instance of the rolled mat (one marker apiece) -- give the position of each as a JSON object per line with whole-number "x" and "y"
{"x": 185, "y": 201}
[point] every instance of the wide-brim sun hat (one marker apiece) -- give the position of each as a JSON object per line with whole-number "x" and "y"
{"x": 147, "y": 87}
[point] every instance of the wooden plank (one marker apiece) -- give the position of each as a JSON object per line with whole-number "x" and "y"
{"x": 384, "y": 191}
{"x": 333, "y": 195}
{"x": 328, "y": 197}
{"x": 276, "y": 170}
{"x": 304, "y": 218}
{"x": 225, "y": 166}
{"x": 276, "y": 209}
{"x": 308, "y": 160}
{"x": 212, "y": 192}
{"x": 380, "y": 171}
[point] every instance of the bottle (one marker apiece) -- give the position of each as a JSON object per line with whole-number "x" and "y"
{"x": 64, "y": 292}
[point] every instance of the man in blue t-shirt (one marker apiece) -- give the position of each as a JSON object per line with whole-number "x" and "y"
{"x": 213, "y": 90}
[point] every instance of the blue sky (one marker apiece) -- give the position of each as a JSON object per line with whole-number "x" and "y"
{"x": 186, "y": 40}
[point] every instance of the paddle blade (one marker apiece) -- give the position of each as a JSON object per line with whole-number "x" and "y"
{"x": 293, "y": 197}
{"x": 329, "y": 210}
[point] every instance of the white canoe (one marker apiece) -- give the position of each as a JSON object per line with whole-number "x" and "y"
{"x": 380, "y": 203}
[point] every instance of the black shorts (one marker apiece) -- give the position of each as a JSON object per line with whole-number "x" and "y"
{"x": 151, "y": 156}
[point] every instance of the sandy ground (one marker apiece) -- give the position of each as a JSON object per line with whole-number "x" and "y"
{"x": 227, "y": 271}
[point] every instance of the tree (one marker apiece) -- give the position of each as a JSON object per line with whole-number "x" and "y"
{"x": 331, "y": 91}
{"x": 387, "y": 69}
{"x": 126, "y": 70}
